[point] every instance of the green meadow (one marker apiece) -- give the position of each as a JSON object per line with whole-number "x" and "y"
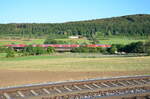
{"x": 102, "y": 40}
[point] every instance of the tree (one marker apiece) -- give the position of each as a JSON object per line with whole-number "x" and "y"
{"x": 50, "y": 50}
{"x": 50, "y": 41}
{"x": 29, "y": 50}
{"x": 119, "y": 47}
{"x": 101, "y": 50}
{"x": 39, "y": 50}
{"x": 126, "y": 25}
{"x": 81, "y": 50}
{"x": 10, "y": 52}
{"x": 112, "y": 50}
{"x": 2, "y": 49}
{"x": 136, "y": 47}
{"x": 147, "y": 48}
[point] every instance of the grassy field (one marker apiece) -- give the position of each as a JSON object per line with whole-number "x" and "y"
{"x": 61, "y": 63}
{"x": 107, "y": 40}
{"x": 119, "y": 40}
{"x": 33, "y": 41}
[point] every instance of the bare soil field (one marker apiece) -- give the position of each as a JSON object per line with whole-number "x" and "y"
{"x": 18, "y": 77}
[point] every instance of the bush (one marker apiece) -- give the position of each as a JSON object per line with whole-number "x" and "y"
{"x": 29, "y": 50}
{"x": 3, "y": 49}
{"x": 80, "y": 50}
{"x": 39, "y": 50}
{"x": 137, "y": 47}
{"x": 34, "y": 51}
{"x": 89, "y": 50}
{"x": 10, "y": 52}
{"x": 101, "y": 50}
{"x": 112, "y": 50}
{"x": 50, "y": 50}
{"x": 147, "y": 48}
{"x": 50, "y": 41}
{"x": 119, "y": 47}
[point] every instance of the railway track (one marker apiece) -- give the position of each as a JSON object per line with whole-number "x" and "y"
{"x": 137, "y": 87}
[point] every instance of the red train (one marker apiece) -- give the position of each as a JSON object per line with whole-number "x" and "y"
{"x": 58, "y": 47}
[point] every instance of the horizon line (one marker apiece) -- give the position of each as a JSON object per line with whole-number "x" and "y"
{"x": 72, "y": 21}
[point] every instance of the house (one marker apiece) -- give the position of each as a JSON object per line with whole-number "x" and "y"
{"x": 74, "y": 37}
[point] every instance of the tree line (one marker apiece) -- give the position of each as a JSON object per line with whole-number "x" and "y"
{"x": 27, "y": 51}
{"x": 125, "y": 25}
{"x": 135, "y": 47}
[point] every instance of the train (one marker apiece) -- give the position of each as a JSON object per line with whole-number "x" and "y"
{"x": 58, "y": 47}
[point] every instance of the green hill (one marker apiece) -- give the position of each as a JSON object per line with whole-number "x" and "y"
{"x": 125, "y": 25}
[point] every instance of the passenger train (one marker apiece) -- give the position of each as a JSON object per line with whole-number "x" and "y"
{"x": 58, "y": 47}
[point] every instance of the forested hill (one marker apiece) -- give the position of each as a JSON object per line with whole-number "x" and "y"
{"x": 125, "y": 25}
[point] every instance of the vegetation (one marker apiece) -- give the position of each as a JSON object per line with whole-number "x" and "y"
{"x": 3, "y": 49}
{"x": 147, "y": 48}
{"x": 10, "y": 52}
{"x": 112, "y": 50}
{"x": 103, "y": 40}
{"x": 135, "y": 25}
{"x": 62, "y": 62}
{"x": 89, "y": 50}
{"x": 27, "y": 51}
{"x": 81, "y": 41}
{"x": 21, "y": 41}
{"x": 135, "y": 47}
{"x": 50, "y": 50}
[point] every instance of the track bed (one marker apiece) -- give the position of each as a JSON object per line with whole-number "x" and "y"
{"x": 136, "y": 87}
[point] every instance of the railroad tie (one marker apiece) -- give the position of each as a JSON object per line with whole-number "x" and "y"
{"x": 20, "y": 93}
{"x": 137, "y": 82}
{"x": 34, "y": 93}
{"x": 45, "y": 90}
{"x": 129, "y": 82}
{"x": 88, "y": 86}
{"x": 96, "y": 85}
{"x": 7, "y": 96}
{"x": 57, "y": 90}
{"x": 67, "y": 88}
{"x": 77, "y": 87}
{"x": 123, "y": 84}
{"x": 113, "y": 84}
{"x": 144, "y": 81}
{"x": 105, "y": 85}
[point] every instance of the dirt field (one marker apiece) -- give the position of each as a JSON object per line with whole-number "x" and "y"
{"x": 17, "y": 77}
{"x": 38, "y": 69}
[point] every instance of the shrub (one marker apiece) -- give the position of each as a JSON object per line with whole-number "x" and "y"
{"x": 39, "y": 50}
{"x": 10, "y": 52}
{"x": 34, "y": 50}
{"x": 81, "y": 50}
{"x": 136, "y": 47}
{"x": 50, "y": 50}
{"x": 89, "y": 50}
{"x": 119, "y": 47}
{"x": 3, "y": 49}
{"x": 112, "y": 50}
{"x": 29, "y": 50}
{"x": 147, "y": 48}
{"x": 101, "y": 50}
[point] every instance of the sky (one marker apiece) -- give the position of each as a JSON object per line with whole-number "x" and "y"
{"x": 58, "y": 11}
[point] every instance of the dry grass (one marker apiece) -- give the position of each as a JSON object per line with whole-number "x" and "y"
{"x": 80, "y": 64}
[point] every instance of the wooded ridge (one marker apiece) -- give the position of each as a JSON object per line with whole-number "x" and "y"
{"x": 125, "y": 25}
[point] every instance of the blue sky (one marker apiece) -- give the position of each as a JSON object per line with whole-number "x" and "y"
{"x": 57, "y": 11}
